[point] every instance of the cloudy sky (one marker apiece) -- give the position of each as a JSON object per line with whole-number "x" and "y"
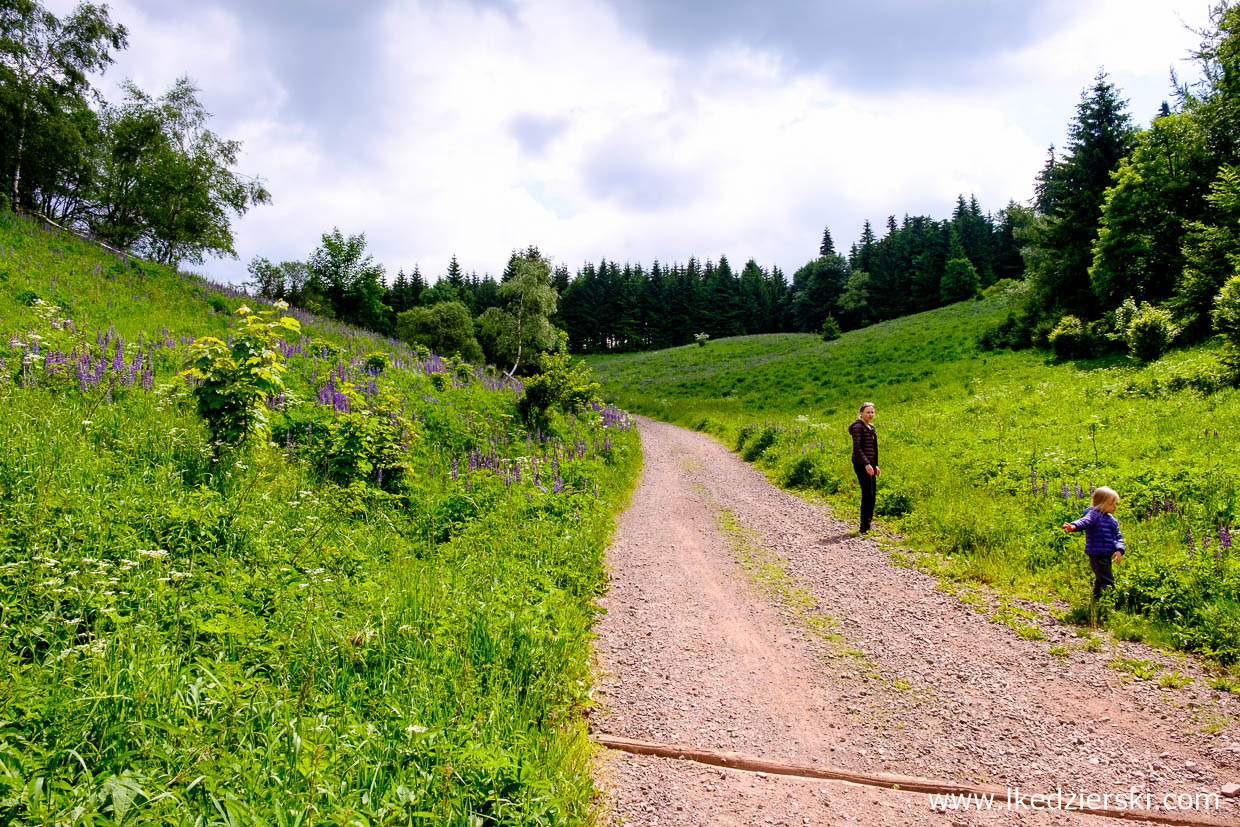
{"x": 636, "y": 129}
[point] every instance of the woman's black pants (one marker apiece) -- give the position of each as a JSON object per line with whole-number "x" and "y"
{"x": 869, "y": 488}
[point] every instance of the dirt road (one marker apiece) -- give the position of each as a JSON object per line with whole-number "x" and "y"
{"x": 742, "y": 618}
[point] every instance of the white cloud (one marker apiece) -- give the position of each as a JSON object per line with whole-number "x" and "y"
{"x": 631, "y": 152}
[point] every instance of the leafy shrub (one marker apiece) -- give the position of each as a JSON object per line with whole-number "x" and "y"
{"x": 1040, "y": 332}
{"x": 756, "y": 446}
{"x": 830, "y": 330}
{"x": 1069, "y": 339}
{"x": 1123, "y": 316}
{"x": 1150, "y": 333}
{"x": 561, "y": 383}
{"x": 701, "y": 339}
{"x": 1006, "y": 333}
{"x": 1226, "y": 316}
{"x": 810, "y": 471}
{"x": 461, "y": 370}
{"x": 742, "y": 436}
{"x": 1206, "y": 374}
{"x": 708, "y": 425}
{"x": 1226, "y": 313}
{"x": 234, "y": 382}
{"x": 324, "y": 350}
{"x": 1004, "y": 287}
{"x": 377, "y": 361}
{"x": 892, "y": 502}
{"x": 1103, "y": 336}
{"x": 1156, "y": 585}
{"x": 366, "y": 444}
{"x": 218, "y": 304}
{"x": 27, "y": 297}
{"x": 1214, "y": 632}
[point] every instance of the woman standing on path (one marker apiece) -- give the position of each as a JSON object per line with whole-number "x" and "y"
{"x": 865, "y": 460}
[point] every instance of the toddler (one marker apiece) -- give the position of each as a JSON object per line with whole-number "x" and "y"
{"x": 1103, "y": 542}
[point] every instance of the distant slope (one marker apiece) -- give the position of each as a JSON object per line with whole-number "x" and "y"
{"x": 794, "y": 372}
{"x": 984, "y": 454}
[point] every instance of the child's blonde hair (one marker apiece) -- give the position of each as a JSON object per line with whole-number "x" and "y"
{"x": 1104, "y": 499}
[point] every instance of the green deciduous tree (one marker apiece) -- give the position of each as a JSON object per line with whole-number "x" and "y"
{"x": 445, "y": 328}
{"x": 350, "y": 280}
{"x": 520, "y": 326}
{"x": 960, "y": 279}
{"x": 167, "y": 187}
{"x": 1211, "y": 251}
{"x": 45, "y": 62}
{"x": 1157, "y": 190}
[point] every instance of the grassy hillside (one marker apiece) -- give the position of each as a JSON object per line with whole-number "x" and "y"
{"x": 985, "y": 454}
{"x": 382, "y": 616}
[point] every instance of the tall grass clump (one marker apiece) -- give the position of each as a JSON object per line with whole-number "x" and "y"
{"x": 362, "y": 597}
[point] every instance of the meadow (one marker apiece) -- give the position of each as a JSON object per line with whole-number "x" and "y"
{"x": 985, "y": 454}
{"x": 380, "y": 616}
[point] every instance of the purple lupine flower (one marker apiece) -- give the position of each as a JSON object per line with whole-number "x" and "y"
{"x": 1188, "y": 541}
{"x": 1064, "y": 493}
{"x": 1033, "y": 480}
{"x": 557, "y": 485}
{"x": 1043, "y": 488}
{"x": 1224, "y": 537}
{"x": 380, "y": 477}
{"x": 148, "y": 380}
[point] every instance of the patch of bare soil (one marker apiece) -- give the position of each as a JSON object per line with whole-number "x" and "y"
{"x": 742, "y": 618}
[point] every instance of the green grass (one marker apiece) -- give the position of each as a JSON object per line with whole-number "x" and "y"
{"x": 968, "y": 441}
{"x": 193, "y": 637}
{"x": 1143, "y": 669}
{"x": 1174, "y": 679}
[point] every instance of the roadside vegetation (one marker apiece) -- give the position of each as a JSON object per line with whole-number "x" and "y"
{"x": 259, "y": 568}
{"x": 985, "y": 454}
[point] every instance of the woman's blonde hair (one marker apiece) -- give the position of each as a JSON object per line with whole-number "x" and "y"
{"x": 1104, "y": 499}
{"x": 865, "y": 405}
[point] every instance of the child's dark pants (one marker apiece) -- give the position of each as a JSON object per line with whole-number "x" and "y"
{"x": 1103, "y": 577}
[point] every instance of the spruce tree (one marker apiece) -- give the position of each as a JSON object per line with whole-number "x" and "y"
{"x": 455, "y": 276}
{"x": 827, "y": 247}
{"x": 1069, "y": 196}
